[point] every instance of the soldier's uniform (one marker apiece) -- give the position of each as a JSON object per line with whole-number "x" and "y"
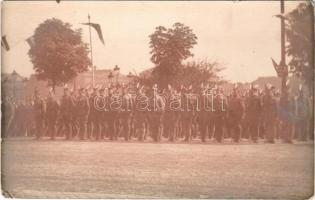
{"x": 7, "y": 109}
{"x": 302, "y": 115}
{"x": 269, "y": 111}
{"x": 285, "y": 114}
{"x": 245, "y": 122}
{"x": 29, "y": 122}
{"x": 235, "y": 114}
{"x": 253, "y": 112}
{"x": 125, "y": 113}
{"x": 171, "y": 114}
{"x": 156, "y": 109}
{"x": 89, "y": 124}
{"x": 93, "y": 123}
{"x": 140, "y": 111}
{"x": 98, "y": 110}
{"x": 66, "y": 107}
{"x": 82, "y": 113}
{"x": 52, "y": 109}
{"x": 220, "y": 111}
{"x": 203, "y": 114}
{"x": 112, "y": 108}
{"x": 38, "y": 110}
{"x": 188, "y": 113}
{"x": 74, "y": 115}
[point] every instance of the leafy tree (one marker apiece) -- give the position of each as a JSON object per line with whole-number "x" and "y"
{"x": 169, "y": 48}
{"x": 58, "y": 53}
{"x": 194, "y": 73}
{"x": 191, "y": 73}
{"x": 300, "y": 36}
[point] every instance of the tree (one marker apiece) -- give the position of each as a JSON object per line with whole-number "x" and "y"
{"x": 58, "y": 53}
{"x": 194, "y": 73}
{"x": 191, "y": 73}
{"x": 169, "y": 48}
{"x": 300, "y": 36}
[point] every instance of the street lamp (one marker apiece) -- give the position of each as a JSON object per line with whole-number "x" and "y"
{"x": 116, "y": 71}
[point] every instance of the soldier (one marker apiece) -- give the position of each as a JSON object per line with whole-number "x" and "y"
{"x": 302, "y": 115}
{"x": 52, "y": 109}
{"x": 245, "y": 123}
{"x": 285, "y": 113}
{"x": 253, "y": 111}
{"x": 278, "y": 121}
{"x": 171, "y": 114}
{"x": 28, "y": 112}
{"x": 269, "y": 112}
{"x": 93, "y": 123}
{"x": 110, "y": 113}
{"x": 125, "y": 113}
{"x": 219, "y": 112}
{"x": 82, "y": 113}
{"x": 203, "y": 112}
{"x": 188, "y": 112}
{"x": 89, "y": 125}
{"x": 140, "y": 110}
{"x": 66, "y": 107}
{"x": 156, "y": 109}
{"x": 98, "y": 108}
{"x": 235, "y": 114}
{"x": 38, "y": 109}
{"x": 20, "y": 125}
{"x": 74, "y": 114}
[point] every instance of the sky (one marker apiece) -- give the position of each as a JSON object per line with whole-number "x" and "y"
{"x": 242, "y": 35}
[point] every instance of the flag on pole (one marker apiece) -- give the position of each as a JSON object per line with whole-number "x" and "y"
{"x": 30, "y": 41}
{"x": 98, "y": 29}
{"x": 4, "y": 43}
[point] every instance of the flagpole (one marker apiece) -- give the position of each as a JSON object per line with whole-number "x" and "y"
{"x": 91, "y": 51}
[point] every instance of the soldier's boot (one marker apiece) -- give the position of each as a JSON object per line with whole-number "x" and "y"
{"x": 237, "y": 134}
{"x": 218, "y": 132}
{"x": 188, "y": 135}
{"x": 253, "y": 130}
{"x": 38, "y": 133}
{"x": 203, "y": 130}
{"x": 82, "y": 131}
{"x": 52, "y": 133}
{"x": 126, "y": 130}
{"x": 141, "y": 133}
{"x": 171, "y": 134}
{"x": 89, "y": 131}
{"x": 154, "y": 134}
{"x": 269, "y": 133}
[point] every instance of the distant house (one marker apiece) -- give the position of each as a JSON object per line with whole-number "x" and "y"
{"x": 294, "y": 83}
{"x": 16, "y": 86}
{"x": 13, "y": 85}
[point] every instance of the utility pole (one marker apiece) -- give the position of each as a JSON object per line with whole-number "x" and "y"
{"x": 283, "y": 64}
{"x": 91, "y": 51}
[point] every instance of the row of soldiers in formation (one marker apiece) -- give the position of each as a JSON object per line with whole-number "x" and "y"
{"x": 175, "y": 114}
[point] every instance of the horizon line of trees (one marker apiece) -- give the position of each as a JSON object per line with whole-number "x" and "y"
{"x": 58, "y": 53}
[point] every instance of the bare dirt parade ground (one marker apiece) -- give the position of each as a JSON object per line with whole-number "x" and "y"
{"x": 89, "y": 169}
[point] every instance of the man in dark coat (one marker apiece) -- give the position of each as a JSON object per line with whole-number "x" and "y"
{"x": 52, "y": 109}
{"x": 82, "y": 112}
{"x": 253, "y": 112}
{"x": 235, "y": 114}
{"x": 38, "y": 110}
{"x": 66, "y": 107}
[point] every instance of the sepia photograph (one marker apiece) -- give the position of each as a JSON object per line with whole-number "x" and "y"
{"x": 157, "y": 99}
